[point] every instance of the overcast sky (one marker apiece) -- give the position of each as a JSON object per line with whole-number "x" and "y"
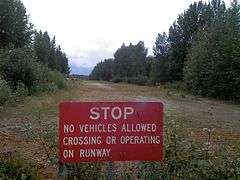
{"x": 91, "y": 30}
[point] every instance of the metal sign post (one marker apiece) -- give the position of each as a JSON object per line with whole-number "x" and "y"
{"x": 62, "y": 171}
{"x": 110, "y": 172}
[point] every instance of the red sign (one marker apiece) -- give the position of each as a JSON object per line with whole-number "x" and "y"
{"x": 110, "y": 131}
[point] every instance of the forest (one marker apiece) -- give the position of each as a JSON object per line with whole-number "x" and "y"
{"x": 30, "y": 60}
{"x": 201, "y": 50}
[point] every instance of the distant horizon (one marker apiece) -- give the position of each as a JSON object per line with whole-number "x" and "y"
{"x": 81, "y": 70}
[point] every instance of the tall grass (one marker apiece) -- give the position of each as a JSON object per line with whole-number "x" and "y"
{"x": 189, "y": 159}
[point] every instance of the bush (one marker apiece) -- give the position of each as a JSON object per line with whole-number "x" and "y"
{"x": 139, "y": 80}
{"x": 178, "y": 86}
{"x": 187, "y": 159}
{"x": 5, "y": 92}
{"x": 2, "y": 59}
{"x": 85, "y": 171}
{"x": 20, "y": 93}
{"x": 48, "y": 88}
{"x": 56, "y": 78}
{"x": 48, "y": 81}
{"x": 116, "y": 79}
{"x": 19, "y": 67}
{"x": 12, "y": 168}
{"x": 25, "y": 75}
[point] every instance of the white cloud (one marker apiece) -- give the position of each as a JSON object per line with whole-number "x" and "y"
{"x": 88, "y": 58}
{"x": 89, "y": 30}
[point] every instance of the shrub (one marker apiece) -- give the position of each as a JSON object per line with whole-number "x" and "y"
{"x": 116, "y": 79}
{"x": 47, "y": 80}
{"x": 85, "y": 171}
{"x": 2, "y": 59}
{"x": 57, "y": 79}
{"x": 19, "y": 67}
{"x": 178, "y": 86}
{"x": 12, "y": 168}
{"x": 187, "y": 159}
{"x": 20, "y": 93}
{"x": 5, "y": 92}
{"x": 139, "y": 80}
{"x": 26, "y": 76}
{"x": 44, "y": 87}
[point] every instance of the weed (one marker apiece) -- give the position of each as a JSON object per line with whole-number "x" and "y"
{"x": 14, "y": 168}
{"x": 5, "y": 92}
{"x": 185, "y": 159}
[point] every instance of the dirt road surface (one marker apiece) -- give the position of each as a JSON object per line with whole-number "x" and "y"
{"x": 202, "y": 112}
{"x": 40, "y": 115}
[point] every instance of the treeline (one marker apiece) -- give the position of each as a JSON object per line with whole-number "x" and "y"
{"x": 30, "y": 61}
{"x": 129, "y": 64}
{"x": 201, "y": 49}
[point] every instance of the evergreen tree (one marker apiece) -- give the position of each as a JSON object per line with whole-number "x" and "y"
{"x": 153, "y": 70}
{"x": 103, "y": 71}
{"x": 182, "y": 32}
{"x": 162, "y": 45}
{"x": 130, "y": 61}
{"x": 160, "y": 67}
{"x": 49, "y": 54}
{"x": 61, "y": 57}
{"x": 213, "y": 66}
{"x": 53, "y": 61}
{"x": 15, "y": 28}
{"x": 42, "y": 47}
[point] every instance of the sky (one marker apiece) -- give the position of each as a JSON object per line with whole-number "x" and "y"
{"x": 90, "y": 31}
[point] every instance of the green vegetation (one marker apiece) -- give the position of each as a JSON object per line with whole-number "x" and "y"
{"x": 48, "y": 54}
{"x": 129, "y": 65}
{"x": 19, "y": 66}
{"x": 29, "y": 62}
{"x": 5, "y": 92}
{"x": 201, "y": 50}
{"x": 85, "y": 171}
{"x": 13, "y": 168}
{"x": 15, "y": 28}
{"x": 191, "y": 158}
{"x": 188, "y": 155}
{"x": 213, "y": 65}
{"x": 103, "y": 71}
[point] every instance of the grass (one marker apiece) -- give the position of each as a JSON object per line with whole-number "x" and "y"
{"x": 12, "y": 167}
{"x": 36, "y": 120}
{"x": 188, "y": 157}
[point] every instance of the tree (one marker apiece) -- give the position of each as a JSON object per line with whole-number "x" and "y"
{"x": 162, "y": 46}
{"x": 183, "y": 31}
{"x": 213, "y": 65}
{"x": 15, "y": 28}
{"x": 153, "y": 70}
{"x": 62, "y": 61}
{"x": 129, "y": 65}
{"x": 103, "y": 71}
{"x": 160, "y": 67}
{"x": 130, "y": 61}
{"x": 42, "y": 47}
{"x": 54, "y": 60}
{"x": 49, "y": 54}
